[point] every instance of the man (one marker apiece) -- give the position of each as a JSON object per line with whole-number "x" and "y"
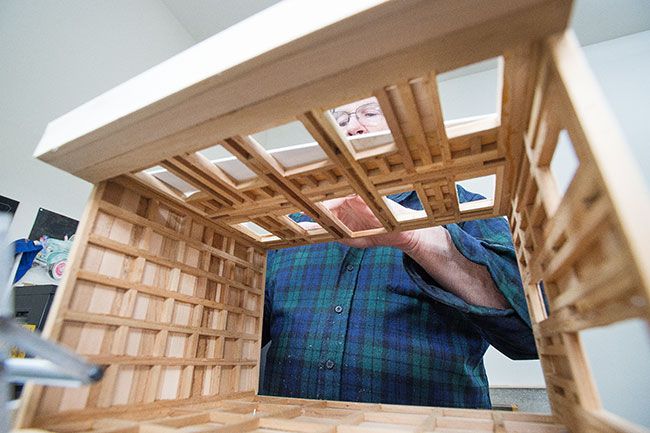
{"x": 399, "y": 318}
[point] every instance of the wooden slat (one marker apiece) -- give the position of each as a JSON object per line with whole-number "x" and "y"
{"x": 195, "y": 101}
{"x": 430, "y": 109}
{"x": 198, "y": 171}
{"x": 256, "y": 158}
{"x": 136, "y": 252}
{"x": 155, "y": 291}
{"x": 104, "y": 319}
{"x": 338, "y": 149}
{"x": 300, "y": 415}
{"x": 114, "y": 210}
{"x": 412, "y": 123}
{"x": 386, "y": 105}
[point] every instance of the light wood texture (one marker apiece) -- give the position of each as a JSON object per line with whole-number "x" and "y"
{"x": 261, "y": 414}
{"x": 214, "y": 91}
{"x": 584, "y": 247}
{"x": 166, "y": 288}
{"x": 167, "y": 301}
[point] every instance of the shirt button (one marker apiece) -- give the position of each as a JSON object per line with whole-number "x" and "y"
{"x": 349, "y": 268}
{"x": 338, "y": 309}
{"x": 329, "y": 364}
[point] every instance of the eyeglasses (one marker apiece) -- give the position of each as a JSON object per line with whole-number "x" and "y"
{"x": 367, "y": 114}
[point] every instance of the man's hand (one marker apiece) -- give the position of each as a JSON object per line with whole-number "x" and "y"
{"x": 432, "y": 248}
{"x": 357, "y": 216}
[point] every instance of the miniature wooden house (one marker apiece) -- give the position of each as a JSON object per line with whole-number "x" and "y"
{"x": 165, "y": 287}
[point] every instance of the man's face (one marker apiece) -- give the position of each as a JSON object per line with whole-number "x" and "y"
{"x": 360, "y": 117}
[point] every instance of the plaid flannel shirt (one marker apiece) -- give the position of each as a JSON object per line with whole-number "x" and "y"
{"x": 369, "y": 325}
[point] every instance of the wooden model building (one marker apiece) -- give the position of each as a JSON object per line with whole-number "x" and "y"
{"x": 165, "y": 286}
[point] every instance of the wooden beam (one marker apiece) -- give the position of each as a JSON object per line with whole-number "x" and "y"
{"x": 258, "y": 160}
{"x": 195, "y": 98}
{"x": 322, "y": 127}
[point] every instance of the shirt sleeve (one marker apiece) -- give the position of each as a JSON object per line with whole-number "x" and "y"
{"x": 488, "y": 243}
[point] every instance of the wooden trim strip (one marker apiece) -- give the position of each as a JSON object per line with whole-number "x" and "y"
{"x": 110, "y": 320}
{"x": 154, "y": 291}
{"x": 170, "y": 361}
{"x": 118, "y": 212}
{"x": 31, "y": 396}
{"x": 119, "y": 247}
{"x": 255, "y": 157}
{"x": 321, "y": 127}
{"x": 396, "y": 131}
{"x": 183, "y": 207}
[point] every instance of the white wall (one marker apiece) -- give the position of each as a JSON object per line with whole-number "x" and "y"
{"x": 622, "y": 68}
{"x": 54, "y": 57}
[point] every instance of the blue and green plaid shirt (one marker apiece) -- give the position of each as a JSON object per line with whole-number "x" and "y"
{"x": 369, "y": 325}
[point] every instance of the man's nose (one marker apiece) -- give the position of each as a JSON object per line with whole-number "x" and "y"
{"x": 354, "y": 127}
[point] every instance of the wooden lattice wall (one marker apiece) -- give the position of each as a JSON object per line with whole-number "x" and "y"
{"x": 166, "y": 289}
{"x": 581, "y": 248}
{"x": 169, "y": 303}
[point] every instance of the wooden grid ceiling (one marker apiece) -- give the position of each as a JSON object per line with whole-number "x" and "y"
{"x": 190, "y": 111}
{"x": 418, "y": 153}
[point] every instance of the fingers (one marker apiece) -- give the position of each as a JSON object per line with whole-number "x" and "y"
{"x": 353, "y": 212}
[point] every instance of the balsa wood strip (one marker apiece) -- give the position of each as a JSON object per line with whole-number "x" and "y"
{"x": 104, "y": 319}
{"x": 152, "y": 290}
{"x": 194, "y": 98}
{"x": 127, "y": 249}
{"x": 337, "y": 148}
{"x": 132, "y": 360}
{"x": 609, "y": 151}
{"x": 430, "y": 108}
{"x": 256, "y": 158}
{"x": 136, "y": 183}
{"x": 144, "y": 222}
{"x": 412, "y": 123}
{"x": 386, "y": 105}
{"x": 197, "y": 174}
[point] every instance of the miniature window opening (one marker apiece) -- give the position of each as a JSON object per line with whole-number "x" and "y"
{"x": 172, "y": 181}
{"x": 256, "y": 232}
{"x": 470, "y": 97}
{"x": 363, "y": 124}
{"x": 229, "y": 164}
{"x": 351, "y": 227}
{"x": 403, "y": 213}
{"x": 484, "y": 186}
{"x": 620, "y": 374}
{"x": 564, "y": 163}
{"x": 292, "y": 147}
{"x": 310, "y": 228}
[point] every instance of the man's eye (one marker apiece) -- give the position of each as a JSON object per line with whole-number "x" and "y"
{"x": 372, "y": 113}
{"x": 343, "y": 123}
